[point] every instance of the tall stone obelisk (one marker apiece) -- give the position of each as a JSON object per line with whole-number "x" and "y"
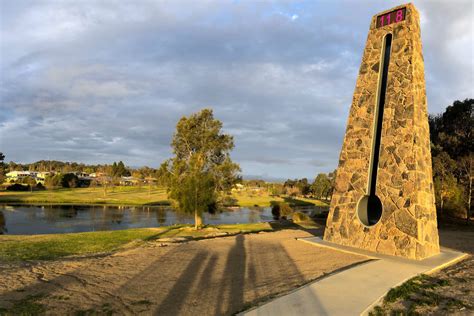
{"x": 383, "y": 199}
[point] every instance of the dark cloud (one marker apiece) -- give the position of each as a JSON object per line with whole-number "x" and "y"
{"x": 104, "y": 81}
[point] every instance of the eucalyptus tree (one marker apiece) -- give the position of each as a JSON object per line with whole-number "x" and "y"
{"x": 321, "y": 186}
{"x": 201, "y": 169}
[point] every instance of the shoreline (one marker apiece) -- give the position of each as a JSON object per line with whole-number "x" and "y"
{"x": 21, "y": 248}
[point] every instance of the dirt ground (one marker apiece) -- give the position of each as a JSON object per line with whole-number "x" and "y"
{"x": 208, "y": 277}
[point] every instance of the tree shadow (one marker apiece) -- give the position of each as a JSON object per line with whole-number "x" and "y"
{"x": 241, "y": 272}
{"x": 166, "y": 230}
{"x": 297, "y": 202}
{"x": 40, "y": 289}
{"x": 284, "y": 271}
{"x": 232, "y": 287}
{"x": 316, "y": 229}
{"x": 187, "y": 280}
{"x": 144, "y": 277}
{"x": 176, "y": 297}
{"x": 231, "y": 284}
{"x": 458, "y": 236}
{"x": 157, "y": 203}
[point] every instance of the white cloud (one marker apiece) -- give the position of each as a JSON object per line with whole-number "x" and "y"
{"x": 104, "y": 81}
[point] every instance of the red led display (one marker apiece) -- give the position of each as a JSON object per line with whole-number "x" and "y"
{"x": 391, "y": 17}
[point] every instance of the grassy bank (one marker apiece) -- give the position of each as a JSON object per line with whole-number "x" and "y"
{"x": 440, "y": 294}
{"x": 48, "y": 247}
{"x": 120, "y": 195}
{"x": 128, "y": 195}
{"x": 248, "y": 199}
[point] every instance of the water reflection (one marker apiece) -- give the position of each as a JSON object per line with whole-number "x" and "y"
{"x": 3, "y": 224}
{"x": 254, "y": 214}
{"x": 52, "y": 214}
{"x": 160, "y": 216}
{"x": 45, "y": 219}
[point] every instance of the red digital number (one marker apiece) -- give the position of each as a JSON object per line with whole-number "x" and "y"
{"x": 399, "y": 16}
{"x": 391, "y": 17}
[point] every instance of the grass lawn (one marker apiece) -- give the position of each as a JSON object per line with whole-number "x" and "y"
{"x": 256, "y": 199}
{"x": 120, "y": 195}
{"x": 53, "y": 246}
{"x": 424, "y": 295}
{"x": 131, "y": 195}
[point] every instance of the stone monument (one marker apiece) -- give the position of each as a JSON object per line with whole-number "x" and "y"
{"x": 383, "y": 199}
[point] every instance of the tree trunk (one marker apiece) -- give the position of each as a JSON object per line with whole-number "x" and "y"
{"x": 441, "y": 205}
{"x": 441, "y": 199}
{"x": 197, "y": 220}
{"x": 197, "y": 216}
{"x": 469, "y": 200}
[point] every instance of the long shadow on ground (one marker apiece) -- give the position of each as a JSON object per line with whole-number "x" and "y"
{"x": 193, "y": 278}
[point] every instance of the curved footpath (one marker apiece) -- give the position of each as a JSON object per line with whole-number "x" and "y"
{"x": 354, "y": 291}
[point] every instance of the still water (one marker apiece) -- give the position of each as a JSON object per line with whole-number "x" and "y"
{"x": 56, "y": 219}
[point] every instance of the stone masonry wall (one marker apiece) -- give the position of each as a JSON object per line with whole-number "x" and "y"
{"x": 408, "y": 226}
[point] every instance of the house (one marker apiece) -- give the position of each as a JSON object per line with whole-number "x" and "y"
{"x": 96, "y": 174}
{"x": 151, "y": 180}
{"x": 41, "y": 176}
{"x": 14, "y": 176}
{"x": 255, "y": 189}
{"x": 81, "y": 175}
{"x": 129, "y": 181}
{"x": 238, "y": 187}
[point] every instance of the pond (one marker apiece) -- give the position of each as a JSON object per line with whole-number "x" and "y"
{"x": 56, "y": 219}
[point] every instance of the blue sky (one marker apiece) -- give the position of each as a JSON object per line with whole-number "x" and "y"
{"x": 101, "y": 81}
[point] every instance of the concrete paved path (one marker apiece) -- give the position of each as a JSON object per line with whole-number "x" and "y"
{"x": 356, "y": 290}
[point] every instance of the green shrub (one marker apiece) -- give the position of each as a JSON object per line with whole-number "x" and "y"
{"x": 52, "y": 182}
{"x": 281, "y": 209}
{"x": 18, "y": 187}
{"x": 69, "y": 180}
{"x": 299, "y": 217}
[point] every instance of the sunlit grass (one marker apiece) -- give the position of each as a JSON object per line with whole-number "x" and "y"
{"x": 53, "y": 246}
{"x": 133, "y": 195}
{"x": 264, "y": 199}
{"x": 122, "y": 195}
{"x": 416, "y": 294}
{"x": 254, "y": 199}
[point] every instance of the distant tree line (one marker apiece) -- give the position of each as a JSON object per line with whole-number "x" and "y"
{"x": 321, "y": 188}
{"x": 64, "y": 174}
{"x": 114, "y": 169}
